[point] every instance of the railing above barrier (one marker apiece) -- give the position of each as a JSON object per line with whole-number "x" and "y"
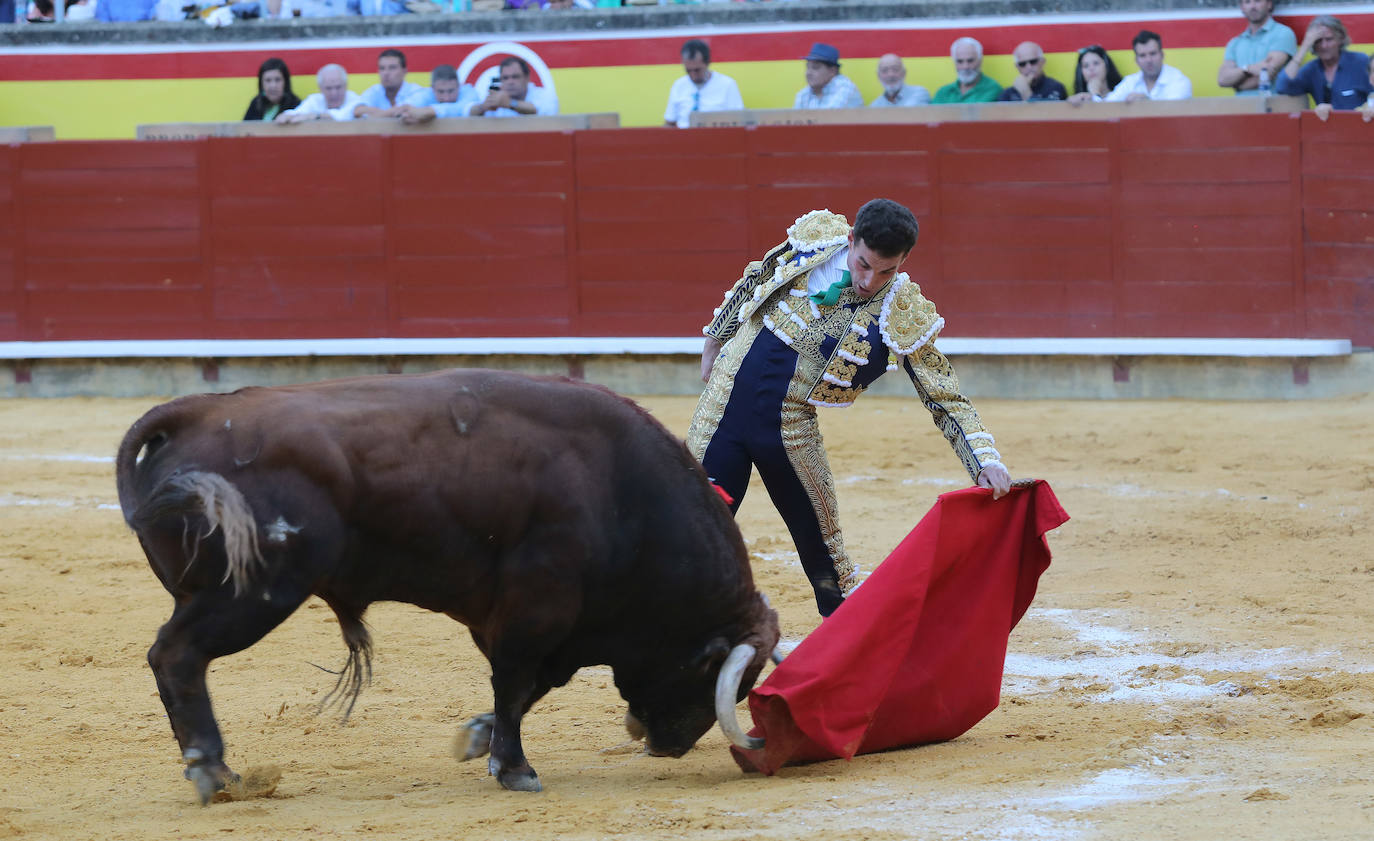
{"x": 454, "y": 125}
{"x": 1003, "y": 112}
{"x": 26, "y": 134}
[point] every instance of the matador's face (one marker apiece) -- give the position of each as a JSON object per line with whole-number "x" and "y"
{"x": 868, "y": 270}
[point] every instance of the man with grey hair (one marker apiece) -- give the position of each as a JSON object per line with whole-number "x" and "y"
{"x": 896, "y": 92}
{"x": 1336, "y": 78}
{"x": 970, "y": 84}
{"x": 333, "y": 102}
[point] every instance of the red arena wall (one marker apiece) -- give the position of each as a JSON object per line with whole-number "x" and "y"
{"x": 1235, "y": 226}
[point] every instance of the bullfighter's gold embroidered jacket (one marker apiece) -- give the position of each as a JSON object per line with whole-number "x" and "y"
{"x": 844, "y": 348}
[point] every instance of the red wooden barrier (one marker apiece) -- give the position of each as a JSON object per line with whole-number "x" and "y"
{"x": 1239, "y": 226}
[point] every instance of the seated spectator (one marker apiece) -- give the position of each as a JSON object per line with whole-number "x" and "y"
{"x": 700, "y": 89}
{"x": 1265, "y": 46}
{"x": 825, "y": 86}
{"x": 1032, "y": 85}
{"x": 514, "y": 96}
{"x": 274, "y": 92}
{"x": 969, "y": 85}
{"x": 1155, "y": 80}
{"x": 124, "y": 10}
{"x": 896, "y": 92}
{"x": 385, "y": 98}
{"x": 443, "y": 98}
{"x": 334, "y": 101}
{"x": 1336, "y": 77}
{"x": 1095, "y": 76}
{"x": 368, "y": 8}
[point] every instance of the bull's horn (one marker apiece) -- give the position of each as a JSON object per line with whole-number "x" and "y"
{"x": 727, "y": 690}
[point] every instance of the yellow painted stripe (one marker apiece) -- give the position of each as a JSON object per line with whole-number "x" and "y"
{"x": 112, "y": 109}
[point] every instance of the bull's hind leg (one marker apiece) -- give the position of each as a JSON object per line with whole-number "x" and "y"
{"x": 205, "y": 626}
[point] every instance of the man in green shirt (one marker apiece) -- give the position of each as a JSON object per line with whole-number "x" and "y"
{"x": 970, "y": 84}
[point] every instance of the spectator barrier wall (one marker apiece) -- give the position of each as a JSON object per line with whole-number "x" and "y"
{"x": 1253, "y": 226}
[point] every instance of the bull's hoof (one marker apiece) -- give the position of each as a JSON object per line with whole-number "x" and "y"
{"x": 474, "y": 739}
{"x": 208, "y": 777}
{"x": 519, "y": 781}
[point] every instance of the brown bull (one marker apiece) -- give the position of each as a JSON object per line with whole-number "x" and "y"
{"x": 562, "y": 524}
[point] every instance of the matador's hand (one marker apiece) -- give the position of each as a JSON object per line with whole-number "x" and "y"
{"x": 709, "y": 352}
{"x": 995, "y": 477}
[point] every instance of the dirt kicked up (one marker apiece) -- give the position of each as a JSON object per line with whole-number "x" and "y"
{"x": 1198, "y": 663}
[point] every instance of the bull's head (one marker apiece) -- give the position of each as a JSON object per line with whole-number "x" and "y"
{"x": 674, "y": 702}
{"x": 675, "y": 712}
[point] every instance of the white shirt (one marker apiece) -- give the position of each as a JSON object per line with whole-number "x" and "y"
{"x": 467, "y": 97}
{"x": 544, "y": 102}
{"x": 908, "y": 96}
{"x": 825, "y": 275}
{"x": 718, "y": 93}
{"x": 839, "y": 92}
{"x": 375, "y": 96}
{"x": 314, "y": 104}
{"x": 1171, "y": 84}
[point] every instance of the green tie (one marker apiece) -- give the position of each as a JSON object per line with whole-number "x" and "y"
{"x": 831, "y": 295}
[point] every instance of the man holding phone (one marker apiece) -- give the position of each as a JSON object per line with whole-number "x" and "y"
{"x": 512, "y": 95}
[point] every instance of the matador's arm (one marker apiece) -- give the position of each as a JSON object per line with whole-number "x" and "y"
{"x": 725, "y": 320}
{"x": 954, "y": 415}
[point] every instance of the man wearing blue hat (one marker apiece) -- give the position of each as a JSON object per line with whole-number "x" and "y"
{"x": 825, "y": 86}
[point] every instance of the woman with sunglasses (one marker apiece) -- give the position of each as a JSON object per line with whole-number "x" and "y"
{"x": 1095, "y": 75}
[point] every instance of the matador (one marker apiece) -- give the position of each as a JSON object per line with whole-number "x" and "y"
{"x": 814, "y": 323}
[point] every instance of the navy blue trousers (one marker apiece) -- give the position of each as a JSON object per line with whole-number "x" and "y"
{"x": 750, "y": 435}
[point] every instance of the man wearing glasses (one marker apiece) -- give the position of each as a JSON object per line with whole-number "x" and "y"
{"x": 1032, "y": 85}
{"x": 702, "y": 89}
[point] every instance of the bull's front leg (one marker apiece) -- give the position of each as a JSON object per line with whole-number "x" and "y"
{"x": 516, "y": 689}
{"x": 203, "y": 627}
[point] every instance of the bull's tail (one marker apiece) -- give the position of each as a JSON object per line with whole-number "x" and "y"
{"x": 222, "y": 508}
{"x": 146, "y": 497}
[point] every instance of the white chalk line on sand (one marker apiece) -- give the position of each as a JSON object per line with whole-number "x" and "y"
{"x": 1129, "y": 666}
{"x": 19, "y": 501}
{"x": 58, "y": 457}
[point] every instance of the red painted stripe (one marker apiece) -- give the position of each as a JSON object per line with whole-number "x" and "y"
{"x": 760, "y": 46}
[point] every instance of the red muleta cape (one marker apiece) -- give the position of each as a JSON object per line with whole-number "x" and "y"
{"x": 915, "y": 655}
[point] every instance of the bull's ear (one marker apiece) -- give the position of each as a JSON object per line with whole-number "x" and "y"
{"x": 712, "y": 655}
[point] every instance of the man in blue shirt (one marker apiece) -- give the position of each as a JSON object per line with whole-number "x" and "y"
{"x": 514, "y": 96}
{"x": 116, "y": 11}
{"x": 1336, "y": 77}
{"x": 444, "y": 97}
{"x": 392, "y": 91}
{"x": 1265, "y": 45}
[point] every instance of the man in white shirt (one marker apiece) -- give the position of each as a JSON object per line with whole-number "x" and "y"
{"x": 334, "y": 101}
{"x": 896, "y": 92}
{"x": 1156, "y": 80}
{"x": 389, "y": 95}
{"x": 702, "y": 89}
{"x": 514, "y": 96}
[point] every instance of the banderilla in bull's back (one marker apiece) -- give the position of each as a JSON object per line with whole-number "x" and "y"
{"x": 557, "y": 520}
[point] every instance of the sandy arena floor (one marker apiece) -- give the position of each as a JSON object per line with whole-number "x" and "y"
{"x": 1198, "y": 665}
